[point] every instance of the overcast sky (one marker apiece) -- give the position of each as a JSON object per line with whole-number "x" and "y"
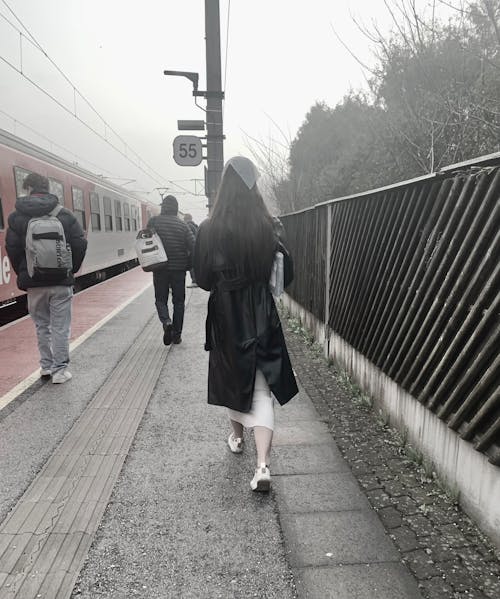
{"x": 282, "y": 56}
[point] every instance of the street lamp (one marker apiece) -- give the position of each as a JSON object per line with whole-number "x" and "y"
{"x": 193, "y": 77}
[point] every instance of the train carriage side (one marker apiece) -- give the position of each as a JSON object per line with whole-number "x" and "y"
{"x": 8, "y": 286}
{"x": 109, "y": 215}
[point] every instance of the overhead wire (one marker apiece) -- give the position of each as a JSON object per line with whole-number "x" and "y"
{"x": 89, "y": 127}
{"x": 57, "y": 145}
{"x": 37, "y": 45}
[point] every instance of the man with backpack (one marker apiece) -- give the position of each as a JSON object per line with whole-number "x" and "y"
{"x": 46, "y": 245}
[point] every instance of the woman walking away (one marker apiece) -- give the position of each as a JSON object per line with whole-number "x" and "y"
{"x": 249, "y": 362}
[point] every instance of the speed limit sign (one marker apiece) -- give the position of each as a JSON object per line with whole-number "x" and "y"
{"x": 187, "y": 150}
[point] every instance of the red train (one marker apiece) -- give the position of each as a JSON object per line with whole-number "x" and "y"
{"x": 109, "y": 214}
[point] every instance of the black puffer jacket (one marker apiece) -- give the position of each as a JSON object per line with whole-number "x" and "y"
{"x": 38, "y": 204}
{"x": 177, "y": 240}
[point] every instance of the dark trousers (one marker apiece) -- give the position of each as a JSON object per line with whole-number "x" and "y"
{"x": 163, "y": 281}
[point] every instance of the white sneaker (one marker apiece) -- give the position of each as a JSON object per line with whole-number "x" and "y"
{"x": 61, "y": 376}
{"x": 45, "y": 372}
{"x": 261, "y": 480}
{"x": 235, "y": 443}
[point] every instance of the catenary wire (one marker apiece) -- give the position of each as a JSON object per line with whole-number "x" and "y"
{"x": 35, "y": 43}
{"x": 57, "y": 145}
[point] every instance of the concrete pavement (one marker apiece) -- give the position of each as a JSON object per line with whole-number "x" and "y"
{"x": 181, "y": 520}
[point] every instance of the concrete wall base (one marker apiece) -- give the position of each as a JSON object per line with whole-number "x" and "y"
{"x": 458, "y": 464}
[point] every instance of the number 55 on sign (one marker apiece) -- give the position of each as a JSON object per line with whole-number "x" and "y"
{"x": 187, "y": 150}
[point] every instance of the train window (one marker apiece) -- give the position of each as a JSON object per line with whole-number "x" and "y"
{"x": 95, "y": 211}
{"x": 108, "y": 214}
{"x": 134, "y": 218}
{"x": 20, "y": 175}
{"x": 118, "y": 215}
{"x": 126, "y": 216}
{"x": 2, "y": 222}
{"x": 78, "y": 206}
{"x": 57, "y": 188}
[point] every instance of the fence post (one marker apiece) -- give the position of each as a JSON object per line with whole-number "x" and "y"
{"x": 328, "y": 249}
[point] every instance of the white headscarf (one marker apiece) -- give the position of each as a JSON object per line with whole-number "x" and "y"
{"x": 245, "y": 168}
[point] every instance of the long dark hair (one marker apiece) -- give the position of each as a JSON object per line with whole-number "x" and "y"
{"x": 241, "y": 229}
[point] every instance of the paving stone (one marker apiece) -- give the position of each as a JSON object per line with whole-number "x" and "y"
{"x": 361, "y": 467}
{"x": 390, "y": 517}
{"x": 299, "y": 408}
{"x": 315, "y": 434}
{"x": 456, "y": 575}
{"x": 304, "y": 459}
{"x": 440, "y": 550}
{"x": 359, "y": 581}
{"x": 421, "y": 564}
{"x": 491, "y": 585}
{"x": 323, "y": 538}
{"x": 452, "y": 535}
{"x": 326, "y": 492}
{"x": 394, "y": 488}
{"x": 436, "y": 588}
{"x": 369, "y": 482}
{"x": 420, "y": 524}
{"x": 405, "y": 539}
{"x": 406, "y": 505}
{"x": 473, "y": 594}
{"x": 379, "y": 499}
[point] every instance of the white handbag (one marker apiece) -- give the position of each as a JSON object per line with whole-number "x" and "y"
{"x": 277, "y": 279}
{"x": 150, "y": 250}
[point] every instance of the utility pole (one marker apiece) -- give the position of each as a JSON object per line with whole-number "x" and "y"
{"x": 214, "y": 96}
{"x": 188, "y": 149}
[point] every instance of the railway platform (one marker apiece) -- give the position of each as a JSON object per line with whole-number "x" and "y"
{"x": 120, "y": 484}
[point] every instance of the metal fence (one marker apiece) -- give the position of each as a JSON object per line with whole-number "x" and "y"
{"x": 413, "y": 285}
{"x": 306, "y": 234}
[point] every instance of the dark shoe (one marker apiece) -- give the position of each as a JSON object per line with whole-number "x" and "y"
{"x": 177, "y": 339}
{"x": 167, "y": 334}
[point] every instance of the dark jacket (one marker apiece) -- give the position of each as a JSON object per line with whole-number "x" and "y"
{"x": 193, "y": 226}
{"x": 243, "y": 332}
{"x": 177, "y": 240}
{"x": 38, "y": 204}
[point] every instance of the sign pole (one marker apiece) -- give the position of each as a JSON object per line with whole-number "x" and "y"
{"x": 214, "y": 96}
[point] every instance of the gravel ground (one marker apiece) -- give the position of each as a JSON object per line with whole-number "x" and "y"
{"x": 443, "y": 549}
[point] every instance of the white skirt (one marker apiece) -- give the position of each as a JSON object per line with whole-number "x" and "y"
{"x": 262, "y": 412}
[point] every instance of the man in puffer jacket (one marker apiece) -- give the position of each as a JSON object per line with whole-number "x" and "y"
{"x": 178, "y": 242}
{"x": 49, "y": 301}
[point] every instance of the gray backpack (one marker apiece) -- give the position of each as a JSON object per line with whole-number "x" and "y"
{"x": 48, "y": 256}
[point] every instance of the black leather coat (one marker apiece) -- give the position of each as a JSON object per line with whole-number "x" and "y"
{"x": 243, "y": 333}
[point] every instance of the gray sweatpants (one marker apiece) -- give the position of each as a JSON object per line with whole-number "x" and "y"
{"x": 50, "y": 308}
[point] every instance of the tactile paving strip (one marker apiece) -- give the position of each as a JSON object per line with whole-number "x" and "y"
{"x": 46, "y": 537}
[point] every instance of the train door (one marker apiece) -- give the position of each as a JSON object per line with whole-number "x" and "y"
{"x": 8, "y": 285}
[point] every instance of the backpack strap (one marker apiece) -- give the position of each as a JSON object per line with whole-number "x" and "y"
{"x": 55, "y": 211}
